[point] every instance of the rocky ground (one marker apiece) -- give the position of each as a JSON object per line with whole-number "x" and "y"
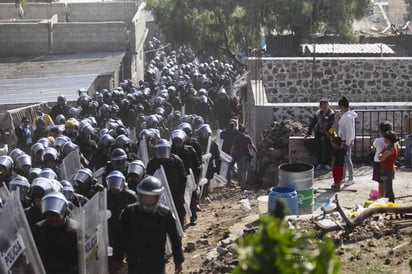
{"x": 382, "y": 244}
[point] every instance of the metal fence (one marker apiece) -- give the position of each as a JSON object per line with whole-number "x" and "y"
{"x": 367, "y": 129}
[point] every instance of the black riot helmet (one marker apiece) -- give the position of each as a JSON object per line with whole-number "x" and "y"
{"x": 149, "y": 191}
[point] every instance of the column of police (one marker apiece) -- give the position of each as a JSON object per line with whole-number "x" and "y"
{"x": 173, "y": 111}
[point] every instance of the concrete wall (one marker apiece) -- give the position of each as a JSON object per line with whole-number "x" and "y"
{"x": 360, "y": 79}
{"x": 138, "y": 34}
{"x": 75, "y": 12}
{"x": 89, "y": 37}
{"x": 22, "y": 38}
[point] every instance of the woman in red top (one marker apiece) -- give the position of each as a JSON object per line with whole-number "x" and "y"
{"x": 387, "y": 158}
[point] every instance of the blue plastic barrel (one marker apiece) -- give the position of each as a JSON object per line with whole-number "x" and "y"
{"x": 289, "y": 197}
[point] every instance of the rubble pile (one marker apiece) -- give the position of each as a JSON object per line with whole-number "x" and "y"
{"x": 273, "y": 149}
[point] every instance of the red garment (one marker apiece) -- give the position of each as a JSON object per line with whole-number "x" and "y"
{"x": 389, "y": 163}
{"x": 337, "y": 173}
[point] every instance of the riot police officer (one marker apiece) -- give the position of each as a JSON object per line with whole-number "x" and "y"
{"x": 56, "y": 236}
{"x": 143, "y": 229}
{"x": 175, "y": 173}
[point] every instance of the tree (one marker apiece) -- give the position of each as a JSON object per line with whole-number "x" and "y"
{"x": 231, "y": 26}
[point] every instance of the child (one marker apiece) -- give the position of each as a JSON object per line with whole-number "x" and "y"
{"x": 338, "y": 160}
{"x": 378, "y": 147}
{"x": 388, "y": 158}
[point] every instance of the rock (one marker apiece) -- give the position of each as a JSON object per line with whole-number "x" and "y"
{"x": 225, "y": 242}
{"x": 203, "y": 241}
{"x": 221, "y": 250}
{"x": 387, "y": 261}
{"x": 190, "y": 246}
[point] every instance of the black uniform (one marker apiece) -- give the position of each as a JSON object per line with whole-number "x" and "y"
{"x": 57, "y": 247}
{"x": 116, "y": 203}
{"x": 176, "y": 177}
{"x": 143, "y": 237}
{"x": 33, "y": 215}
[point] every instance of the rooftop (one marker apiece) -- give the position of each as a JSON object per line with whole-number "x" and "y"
{"x": 43, "y": 78}
{"x": 377, "y": 49}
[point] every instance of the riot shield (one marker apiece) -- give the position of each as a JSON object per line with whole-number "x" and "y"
{"x": 190, "y": 187}
{"x": 4, "y": 195}
{"x": 93, "y": 235}
{"x": 98, "y": 175}
{"x": 70, "y": 164}
{"x": 219, "y": 141}
{"x": 205, "y": 164}
{"x": 143, "y": 154}
{"x": 167, "y": 200}
{"x": 18, "y": 252}
{"x": 226, "y": 159}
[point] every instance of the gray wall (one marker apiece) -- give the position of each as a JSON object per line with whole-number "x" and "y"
{"x": 360, "y": 79}
{"x": 22, "y": 38}
{"x": 75, "y": 12}
{"x": 89, "y": 37}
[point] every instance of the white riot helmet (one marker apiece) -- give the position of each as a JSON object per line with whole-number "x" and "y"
{"x": 162, "y": 149}
{"x": 115, "y": 180}
{"x": 136, "y": 167}
{"x": 54, "y": 202}
{"x": 21, "y": 184}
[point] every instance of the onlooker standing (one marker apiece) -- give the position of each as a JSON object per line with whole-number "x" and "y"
{"x": 241, "y": 153}
{"x": 24, "y": 135}
{"x": 388, "y": 158}
{"x": 338, "y": 160}
{"x": 48, "y": 121}
{"x": 40, "y": 131}
{"x": 379, "y": 146}
{"x": 347, "y": 134}
{"x": 323, "y": 152}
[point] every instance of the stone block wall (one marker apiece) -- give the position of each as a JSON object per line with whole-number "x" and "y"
{"x": 28, "y": 37}
{"x": 360, "y": 79}
{"x": 75, "y": 12}
{"x": 89, "y": 37}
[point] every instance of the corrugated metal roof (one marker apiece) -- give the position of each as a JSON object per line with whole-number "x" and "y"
{"x": 348, "y": 49}
{"x": 43, "y": 78}
{"x": 44, "y": 89}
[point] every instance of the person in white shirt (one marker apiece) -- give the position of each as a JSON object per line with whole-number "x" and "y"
{"x": 347, "y": 134}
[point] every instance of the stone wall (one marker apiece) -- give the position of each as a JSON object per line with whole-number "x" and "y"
{"x": 260, "y": 114}
{"x": 360, "y": 79}
{"x": 74, "y": 12}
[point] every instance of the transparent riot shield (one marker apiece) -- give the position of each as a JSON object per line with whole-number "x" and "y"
{"x": 143, "y": 154}
{"x": 4, "y": 195}
{"x": 70, "y": 164}
{"x": 203, "y": 180}
{"x": 190, "y": 187}
{"x": 98, "y": 175}
{"x": 93, "y": 235}
{"x": 219, "y": 141}
{"x": 167, "y": 200}
{"x": 226, "y": 159}
{"x": 18, "y": 252}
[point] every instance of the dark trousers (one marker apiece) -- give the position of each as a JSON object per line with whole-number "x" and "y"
{"x": 387, "y": 177}
{"x": 146, "y": 268}
{"x": 323, "y": 150}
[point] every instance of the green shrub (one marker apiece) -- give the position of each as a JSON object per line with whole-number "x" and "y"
{"x": 277, "y": 249}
